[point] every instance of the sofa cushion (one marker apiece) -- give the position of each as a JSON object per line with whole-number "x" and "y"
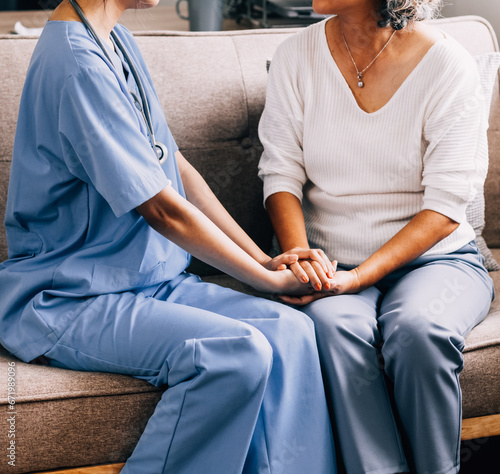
{"x": 69, "y": 418}
{"x": 14, "y": 56}
{"x": 488, "y": 65}
{"x": 480, "y": 379}
{"x": 212, "y": 107}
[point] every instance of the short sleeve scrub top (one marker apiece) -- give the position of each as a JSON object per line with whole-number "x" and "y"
{"x": 82, "y": 163}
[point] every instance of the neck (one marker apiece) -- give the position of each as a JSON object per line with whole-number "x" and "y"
{"x": 361, "y": 32}
{"x": 103, "y": 16}
{"x": 358, "y": 21}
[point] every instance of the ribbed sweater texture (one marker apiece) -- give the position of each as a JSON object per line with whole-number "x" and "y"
{"x": 361, "y": 177}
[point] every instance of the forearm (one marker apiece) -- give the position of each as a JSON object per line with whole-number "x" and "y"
{"x": 315, "y": 267}
{"x": 201, "y": 196}
{"x": 185, "y": 225}
{"x": 285, "y": 212}
{"x": 425, "y": 230}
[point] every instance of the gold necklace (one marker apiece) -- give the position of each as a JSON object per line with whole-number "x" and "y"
{"x": 359, "y": 73}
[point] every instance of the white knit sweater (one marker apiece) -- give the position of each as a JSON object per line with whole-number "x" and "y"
{"x": 361, "y": 177}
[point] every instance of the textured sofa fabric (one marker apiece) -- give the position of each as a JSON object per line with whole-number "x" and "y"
{"x": 212, "y": 87}
{"x": 70, "y": 418}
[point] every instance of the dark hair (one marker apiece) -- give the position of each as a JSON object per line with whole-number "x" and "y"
{"x": 400, "y": 13}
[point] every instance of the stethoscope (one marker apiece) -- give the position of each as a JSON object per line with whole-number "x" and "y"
{"x": 160, "y": 149}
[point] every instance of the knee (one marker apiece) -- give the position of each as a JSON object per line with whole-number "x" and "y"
{"x": 420, "y": 344}
{"x": 336, "y": 320}
{"x": 294, "y": 322}
{"x": 241, "y": 360}
{"x": 245, "y": 360}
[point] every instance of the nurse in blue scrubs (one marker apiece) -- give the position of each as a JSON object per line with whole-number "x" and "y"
{"x": 100, "y": 232}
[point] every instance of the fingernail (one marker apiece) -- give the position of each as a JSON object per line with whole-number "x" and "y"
{"x": 327, "y": 286}
{"x": 318, "y": 287}
{"x": 305, "y": 279}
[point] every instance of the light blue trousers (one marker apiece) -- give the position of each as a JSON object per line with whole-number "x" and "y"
{"x": 402, "y": 340}
{"x": 245, "y": 392}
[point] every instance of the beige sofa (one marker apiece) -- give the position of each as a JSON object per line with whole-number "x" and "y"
{"x": 212, "y": 87}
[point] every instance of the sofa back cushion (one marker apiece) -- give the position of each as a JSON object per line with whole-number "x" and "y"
{"x": 15, "y": 55}
{"x": 478, "y": 37}
{"x": 212, "y": 88}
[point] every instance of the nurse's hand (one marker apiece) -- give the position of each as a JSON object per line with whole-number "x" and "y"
{"x": 313, "y": 266}
{"x": 344, "y": 282}
{"x": 284, "y": 282}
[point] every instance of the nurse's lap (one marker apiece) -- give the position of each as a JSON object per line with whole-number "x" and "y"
{"x": 132, "y": 333}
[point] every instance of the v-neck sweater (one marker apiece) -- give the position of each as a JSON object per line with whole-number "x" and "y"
{"x": 361, "y": 177}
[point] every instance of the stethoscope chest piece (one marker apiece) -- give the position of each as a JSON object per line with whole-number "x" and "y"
{"x": 161, "y": 152}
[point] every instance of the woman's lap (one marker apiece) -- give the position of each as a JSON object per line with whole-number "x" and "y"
{"x": 454, "y": 290}
{"x": 412, "y": 325}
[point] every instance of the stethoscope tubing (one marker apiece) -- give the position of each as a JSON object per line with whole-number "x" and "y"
{"x": 159, "y": 148}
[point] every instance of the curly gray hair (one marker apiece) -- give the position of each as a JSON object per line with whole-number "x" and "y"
{"x": 401, "y": 13}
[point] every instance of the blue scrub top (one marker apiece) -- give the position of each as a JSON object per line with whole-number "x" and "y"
{"x": 82, "y": 163}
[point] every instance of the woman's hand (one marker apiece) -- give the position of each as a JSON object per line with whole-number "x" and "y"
{"x": 344, "y": 282}
{"x": 280, "y": 262}
{"x": 285, "y": 211}
{"x": 309, "y": 271}
{"x": 308, "y": 265}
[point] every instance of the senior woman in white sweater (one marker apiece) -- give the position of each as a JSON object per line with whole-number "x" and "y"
{"x": 374, "y": 142}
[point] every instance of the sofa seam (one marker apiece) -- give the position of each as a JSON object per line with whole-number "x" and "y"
{"x": 81, "y": 395}
{"x": 483, "y": 345}
{"x": 244, "y": 85}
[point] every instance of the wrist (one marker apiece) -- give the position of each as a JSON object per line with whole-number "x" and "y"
{"x": 357, "y": 280}
{"x": 291, "y": 247}
{"x": 267, "y": 281}
{"x": 263, "y": 260}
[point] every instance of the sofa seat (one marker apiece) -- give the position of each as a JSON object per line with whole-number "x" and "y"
{"x": 67, "y": 418}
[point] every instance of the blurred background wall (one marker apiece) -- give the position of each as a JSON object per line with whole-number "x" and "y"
{"x": 489, "y": 9}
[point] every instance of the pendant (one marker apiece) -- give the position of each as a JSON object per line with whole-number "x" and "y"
{"x": 361, "y": 84}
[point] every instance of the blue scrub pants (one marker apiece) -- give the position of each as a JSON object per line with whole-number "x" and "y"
{"x": 245, "y": 392}
{"x": 407, "y": 332}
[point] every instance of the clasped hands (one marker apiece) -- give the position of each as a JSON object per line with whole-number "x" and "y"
{"x": 316, "y": 273}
